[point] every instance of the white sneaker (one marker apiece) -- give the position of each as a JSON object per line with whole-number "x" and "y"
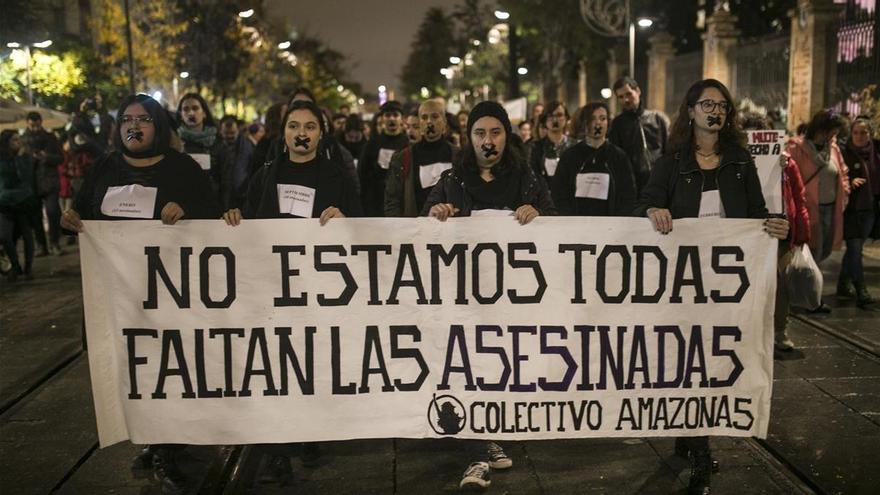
{"x": 497, "y": 458}
{"x": 476, "y": 477}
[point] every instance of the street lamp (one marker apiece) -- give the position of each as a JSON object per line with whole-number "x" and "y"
{"x": 284, "y": 45}
{"x": 613, "y": 18}
{"x": 454, "y": 60}
{"x": 512, "y": 79}
{"x": 522, "y": 71}
{"x": 27, "y": 62}
{"x": 244, "y": 14}
{"x": 502, "y": 15}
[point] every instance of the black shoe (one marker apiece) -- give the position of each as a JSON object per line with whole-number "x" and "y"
{"x": 167, "y": 473}
{"x": 820, "y": 309}
{"x": 277, "y": 471}
{"x": 845, "y": 289}
{"x": 310, "y": 455}
{"x": 144, "y": 460}
{"x": 701, "y": 475}
{"x": 863, "y": 297}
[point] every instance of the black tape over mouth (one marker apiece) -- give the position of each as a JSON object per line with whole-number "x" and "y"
{"x": 430, "y": 129}
{"x": 301, "y": 142}
{"x": 713, "y": 120}
{"x": 597, "y": 131}
{"x": 134, "y": 134}
{"x": 489, "y": 150}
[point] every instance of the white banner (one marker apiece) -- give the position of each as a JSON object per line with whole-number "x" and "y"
{"x": 517, "y": 109}
{"x": 284, "y": 331}
{"x": 766, "y": 147}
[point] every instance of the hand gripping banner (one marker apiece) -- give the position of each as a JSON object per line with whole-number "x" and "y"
{"x": 286, "y": 331}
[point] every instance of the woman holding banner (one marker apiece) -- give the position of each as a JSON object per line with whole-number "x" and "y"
{"x": 489, "y": 177}
{"x": 145, "y": 179}
{"x": 707, "y": 172}
{"x": 305, "y": 181}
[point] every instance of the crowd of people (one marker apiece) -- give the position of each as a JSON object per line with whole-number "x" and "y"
{"x": 302, "y": 161}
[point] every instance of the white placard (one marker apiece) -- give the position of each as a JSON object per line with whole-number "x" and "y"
{"x": 593, "y": 185}
{"x": 766, "y": 148}
{"x": 491, "y": 212}
{"x": 710, "y": 205}
{"x": 131, "y": 201}
{"x": 430, "y": 174}
{"x": 550, "y": 165}
{"x": 296, "y": 200}
{"x": 203, "y": 159}
{"x": 384, "y": 159}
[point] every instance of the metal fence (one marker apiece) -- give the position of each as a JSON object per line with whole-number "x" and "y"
{"x": 762, "y": 70}
{"x": 858, "y": 57}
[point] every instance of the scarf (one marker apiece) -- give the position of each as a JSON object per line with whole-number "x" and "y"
{"x": 205, "y": 138}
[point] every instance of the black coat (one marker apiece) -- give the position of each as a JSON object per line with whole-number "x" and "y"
{"x": 622, "y": 188}
{"x": 627, "y": 131}
{"x": 676, "y": 183}
{"x": 451, "y": 189}
{"x": 179, "y": 179}
{"x": 335, "y": 187}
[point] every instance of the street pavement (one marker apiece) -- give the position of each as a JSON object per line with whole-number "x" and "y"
{"x": 824, "y": 433}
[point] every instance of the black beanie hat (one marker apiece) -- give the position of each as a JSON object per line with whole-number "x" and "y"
{"x": 489, "y": 109}
{"x": 391, "y": 106}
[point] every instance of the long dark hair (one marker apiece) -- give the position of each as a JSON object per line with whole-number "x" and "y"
{"x": 161, "y": 122}
{"x": 209, "y": 118}
{"x": 681, "y": 136}
{"x": 823, "y": 121}
{"x": 5, "y": 149}
{"x": 585, "y": 115}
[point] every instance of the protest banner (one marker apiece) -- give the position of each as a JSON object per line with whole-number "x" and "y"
{"x": 284, "y": 330}
{"x": 766, "y": 147}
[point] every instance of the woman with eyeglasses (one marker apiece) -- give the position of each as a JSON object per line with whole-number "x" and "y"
{"x": 706, "y": 173}
{"x": 145, "y": 179}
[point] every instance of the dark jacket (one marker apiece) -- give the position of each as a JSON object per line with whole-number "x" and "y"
{"x": 613, "y": 161}
{"x": 627, "y": 131}
{"x": 335, "y": 187}
{"x": 16, "y": 183}
{"x": 179, "y": 179}
{"x": 400, "y": 189}
{"x": 544, "y": 148}
{"x": 451, "y": 189}
{"x": 220, "y": 172}
{"x": 676, "y": 183}
{"x": 372, "y": 176}
{"x": 862, "y": 201}
{"x": 45, "y": 170}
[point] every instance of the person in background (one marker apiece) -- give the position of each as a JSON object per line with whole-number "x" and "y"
{"x": 229, "y": 134}
{"x": 545, "y": 152}
{"x": 339, "y": 124}
{"x": 826, "y": 179}
{"x": 594, "y": 177}
{"x": 17, "y": 200}
{"x": 860, "y": 221}
{"x": 640, "y": 132}
{"x": 202, "y": 142}
{"x": 376, "y": 158}
{"x": 525, "y": 132}
{"x": 413, "y": 128}
{"x": 47, "y": 155}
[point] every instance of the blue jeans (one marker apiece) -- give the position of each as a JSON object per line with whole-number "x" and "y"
{"x": 851, "y": 266}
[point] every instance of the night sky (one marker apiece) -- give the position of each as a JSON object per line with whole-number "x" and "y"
{"x": 374, "y": 34}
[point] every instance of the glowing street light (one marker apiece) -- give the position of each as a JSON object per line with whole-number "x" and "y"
{"x": 43, "y": 44}
{"x": 606, "y": 93}
{"x": 13, "y": 44}
{"x": 454, "y": 60}
{"x": 382, "y": 88}
{"x": 184, "y": 75}
{"x": 284, "y": 45}
{"x": 522, "y": 71}
{"x": 244, "y": 14}
{"x": 340, "y": 88}
{"x": 502, "y": 15}
{"x": 645, "y": 22}
{"x": 27, "y": 53}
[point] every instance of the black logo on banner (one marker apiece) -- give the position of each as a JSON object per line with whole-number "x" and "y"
{"x": 446, "y": 415}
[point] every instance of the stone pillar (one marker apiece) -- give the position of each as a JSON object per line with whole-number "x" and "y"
{"x": 583, "y": 94}
{"x": 618, "y": 65}
{"x": 813, "y": 60}
{"x": 661, "y": 51}
{"x": 719, "y": 43}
